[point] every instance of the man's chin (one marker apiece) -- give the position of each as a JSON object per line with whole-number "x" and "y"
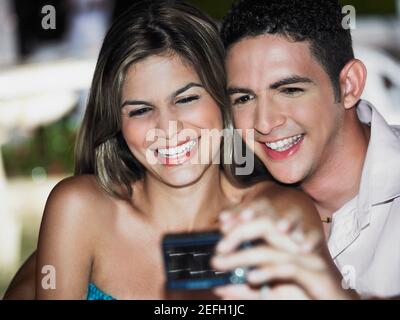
{"x": 286, "y": 175}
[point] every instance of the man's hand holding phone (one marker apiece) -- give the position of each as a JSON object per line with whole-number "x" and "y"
{"x": 288, "y": 264}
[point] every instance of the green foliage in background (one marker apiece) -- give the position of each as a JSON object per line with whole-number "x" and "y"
{"x": 50, "y": 147}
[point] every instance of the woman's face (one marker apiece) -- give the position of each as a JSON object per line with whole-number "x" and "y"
{"x": 169, "y": 120}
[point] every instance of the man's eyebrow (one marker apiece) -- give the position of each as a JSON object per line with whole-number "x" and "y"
{"x": 233, "y": 90}
{"x": 290, "y": 80}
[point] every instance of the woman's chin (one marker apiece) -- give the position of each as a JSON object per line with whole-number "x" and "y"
{"x": 179, "y": 177}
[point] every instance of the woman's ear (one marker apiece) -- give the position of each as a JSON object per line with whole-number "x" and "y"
{"x": 352, "y": 81}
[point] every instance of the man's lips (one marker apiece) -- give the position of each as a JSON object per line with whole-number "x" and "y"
{"x": 284, "y": 148}
{"x": 283, "y": 140}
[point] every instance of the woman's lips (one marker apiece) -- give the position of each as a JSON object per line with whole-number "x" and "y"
{"x": 282, "y": 155}
{"x": 175, "y": 161}
{"x": 180, "y": 158}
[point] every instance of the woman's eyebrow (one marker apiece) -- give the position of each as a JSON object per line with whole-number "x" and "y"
{"x": 174, "y": 94}
{"x": 186, "y": 87}
{"x": 135, "y": 102}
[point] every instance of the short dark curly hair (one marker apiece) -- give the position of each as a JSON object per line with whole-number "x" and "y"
{"x": 317, "y": 21}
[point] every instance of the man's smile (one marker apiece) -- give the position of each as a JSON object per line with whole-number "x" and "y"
{"x": 284, "y": 148}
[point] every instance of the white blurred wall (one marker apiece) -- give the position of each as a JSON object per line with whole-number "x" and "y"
{"x": 8, "y": 39}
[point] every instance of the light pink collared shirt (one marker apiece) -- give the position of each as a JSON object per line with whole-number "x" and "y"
{"x": 364, "y": 240}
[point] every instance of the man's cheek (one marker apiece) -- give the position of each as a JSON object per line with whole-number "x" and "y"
{"x": 242, "y": 122}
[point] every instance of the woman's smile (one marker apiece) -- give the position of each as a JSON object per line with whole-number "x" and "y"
{"x": 173, "y": 156}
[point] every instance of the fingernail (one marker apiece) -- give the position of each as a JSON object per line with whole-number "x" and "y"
{"x": 217, "y": 260}
{"x": 255, "y": 275}
{"x": 222, "y": 246}
{"x": 219, "y": 291}
{"x": 306, "y": 247}
{"x": 224, "y": 216}
{"x": 226, "y": 226}
{"x": 283, "y": 225}
{"x": 246, "y": 214}
{"x": 297, "y": 236}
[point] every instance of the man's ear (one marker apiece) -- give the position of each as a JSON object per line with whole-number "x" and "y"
{"x": 352, "y": 81}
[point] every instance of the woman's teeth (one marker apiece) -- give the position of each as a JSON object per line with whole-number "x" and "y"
{"x": 177, "y": 151}
{"x": 285, "y": 144}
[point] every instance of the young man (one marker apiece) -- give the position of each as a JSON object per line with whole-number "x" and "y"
{"x": 293, "y": 78}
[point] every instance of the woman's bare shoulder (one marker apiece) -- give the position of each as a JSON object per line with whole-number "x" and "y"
{"x": 76, "y": 185}
{"x": 78, "y": 197}
{"x": 82, "y": 189}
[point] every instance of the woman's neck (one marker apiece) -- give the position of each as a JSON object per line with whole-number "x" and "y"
{"x": 180, "y": 209}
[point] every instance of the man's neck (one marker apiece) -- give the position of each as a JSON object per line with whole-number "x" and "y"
{"x": 338, "y": 178}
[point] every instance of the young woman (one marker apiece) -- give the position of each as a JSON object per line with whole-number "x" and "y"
{"x": 145, "y": 163}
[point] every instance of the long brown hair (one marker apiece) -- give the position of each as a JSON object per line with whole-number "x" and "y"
{"x": 147, "y": 28}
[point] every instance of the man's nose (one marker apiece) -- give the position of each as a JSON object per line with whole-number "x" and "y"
{"x": 267, "y": 116}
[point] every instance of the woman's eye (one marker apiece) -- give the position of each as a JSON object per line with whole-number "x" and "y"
{"x": 138, "y": 112}
{"x": 292, "y": 91}
{"x": 242, "y": 99}
{"x": 187, "y": 100}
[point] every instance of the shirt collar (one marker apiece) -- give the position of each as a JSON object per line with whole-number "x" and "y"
{"x": 380, "y": 179}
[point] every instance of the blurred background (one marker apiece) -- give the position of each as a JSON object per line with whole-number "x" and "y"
{"x": 45, "y": 74}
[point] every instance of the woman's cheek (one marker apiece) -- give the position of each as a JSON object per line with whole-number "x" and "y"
{"x": 208, "y": 116}
{"x": 135, "y": 134}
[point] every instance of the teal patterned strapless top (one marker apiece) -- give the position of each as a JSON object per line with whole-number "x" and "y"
{"x": 95, "y": 293}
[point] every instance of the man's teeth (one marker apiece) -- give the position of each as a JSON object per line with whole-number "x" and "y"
{"x": 175, "y": 151}
{"x": 285, "y": 144}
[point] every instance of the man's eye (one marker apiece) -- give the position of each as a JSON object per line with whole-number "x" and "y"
{"x": 187, "y": 100}
{"x": 292, "y": 91}
{"x": 242, "y": 99}
{"x": 138, "y": 112}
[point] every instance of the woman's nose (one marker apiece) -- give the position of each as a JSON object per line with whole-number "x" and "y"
{"x": 170, "y": 124}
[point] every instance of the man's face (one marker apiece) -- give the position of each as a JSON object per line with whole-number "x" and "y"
{"x": 281, "y": 91}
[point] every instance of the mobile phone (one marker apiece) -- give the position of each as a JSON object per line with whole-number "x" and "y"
{"x": 187, "y": 262}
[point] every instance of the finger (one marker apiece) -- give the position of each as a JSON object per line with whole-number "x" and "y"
{"x": 227, "y": 219}
{"x": 249, "y": 210}
{"x": 251, "y": 257}
{"x": 230, "y": 219}
{"x": 225, "y": 216}
{"x": 290, "y": 221}
{"x": 287, "y": 292}
{"x": 245, "y": 292}
{"x": 236, "y": 292}
{"x": 313, "y": 240}
{"x": 318, "y": 284}
{"x": 312, "y": 263}
{"x": 263, "y": 208}
{"x": 260, "y": 228}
